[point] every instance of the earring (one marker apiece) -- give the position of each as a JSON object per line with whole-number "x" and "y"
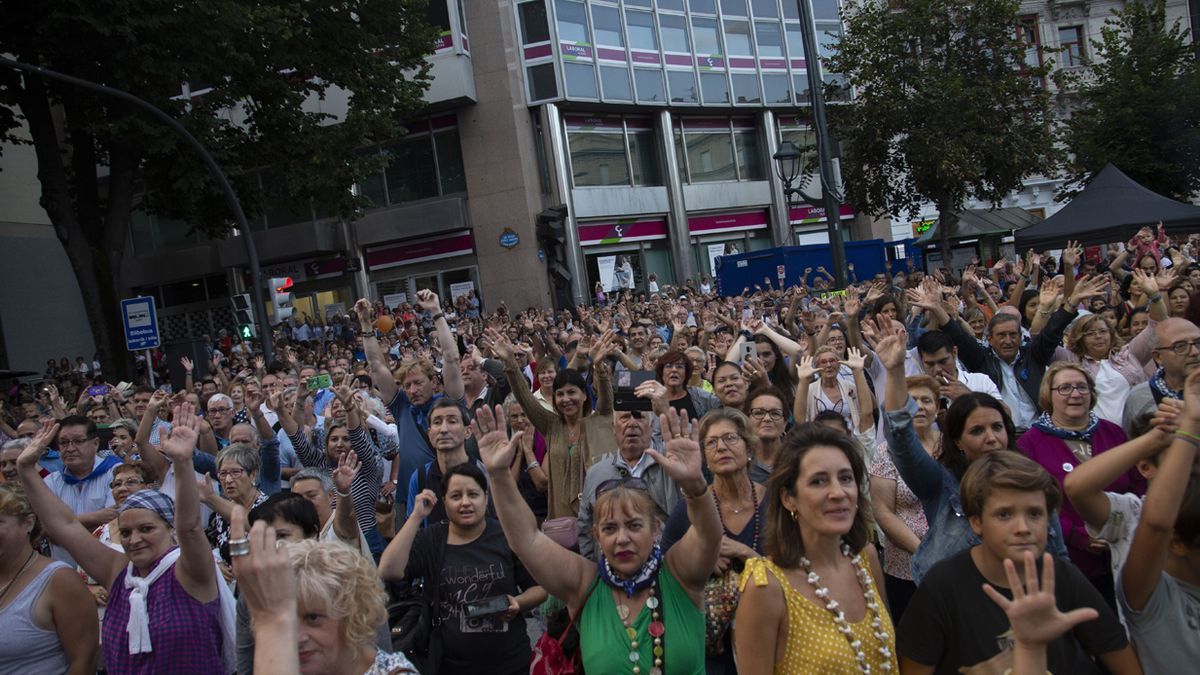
{"x": 793, "y": 515}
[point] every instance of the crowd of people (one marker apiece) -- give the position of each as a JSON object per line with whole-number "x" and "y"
{"x": 982, "y": 470}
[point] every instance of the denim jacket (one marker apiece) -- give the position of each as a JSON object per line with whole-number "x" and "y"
{"x": 949, "y": 531}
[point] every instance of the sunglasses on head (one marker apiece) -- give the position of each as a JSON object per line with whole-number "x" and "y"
{"x": 627, "y": 483}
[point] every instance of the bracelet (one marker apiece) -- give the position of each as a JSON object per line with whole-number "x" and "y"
{"x": 342, "y": 495}
{"x": 437, "y": 316}
{"x": 532, "y": 465}
{"x": 1155, "y": 298}
{"x": 1189, "y": 437}
{"x": 695, "y": 496}
{"x": 366, "y": 333}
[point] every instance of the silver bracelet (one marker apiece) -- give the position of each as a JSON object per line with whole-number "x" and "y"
{"x": 532, "y": 465}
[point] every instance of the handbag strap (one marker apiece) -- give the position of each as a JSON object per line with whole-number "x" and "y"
{"x": 595, "y": 582}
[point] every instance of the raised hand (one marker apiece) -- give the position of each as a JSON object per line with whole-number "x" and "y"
{"x": 855, "y": 359}
{"x": 347, "y": 468}
{"x": 1072, "y": 254}
{"x": 496, "y": 449}
{"x": 1032, "y": 613}
{"x": 1051, "y": 289}
{"x": 1191, "y": 398}
{"x": 362, "y": 311}
{"x": 1088, "y": 287}
{"x": 253, "y": 401}
{"x": 892, "y": 344}
{"x": 186, "y": 363}
{"x": 500, "y": 345}
{"x": 682, "y": 459}
{"x": 344, "y": 394}
{"x": 423, "y": 504}
{"x": 180, "y": 445}
{"x": 429, "y": 301}
{"x": 806, "y": 369}
{"x": 37, "y": 445}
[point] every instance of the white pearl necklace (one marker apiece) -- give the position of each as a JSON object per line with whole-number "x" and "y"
{"x": 839, "y": 617}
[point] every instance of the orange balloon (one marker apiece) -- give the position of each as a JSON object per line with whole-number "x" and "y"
{"x": 384, "y": 323}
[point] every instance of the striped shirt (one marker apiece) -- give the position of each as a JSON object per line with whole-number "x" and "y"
{"x": 364, "y": 489}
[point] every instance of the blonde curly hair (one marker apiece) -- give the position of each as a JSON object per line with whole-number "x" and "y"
{"x": 335, "y": 577}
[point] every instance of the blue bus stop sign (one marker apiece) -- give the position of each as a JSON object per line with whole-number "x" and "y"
{"x": 140, "y": 322}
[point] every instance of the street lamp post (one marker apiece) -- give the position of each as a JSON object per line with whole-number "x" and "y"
{"x": 260, "y": 311}
{"x": 830, "y": 199}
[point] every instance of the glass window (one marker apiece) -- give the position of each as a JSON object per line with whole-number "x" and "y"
{"x": 598, "y": 159}
{"x": 800, "y": 85}
{"x": 534, "y": 24}
{"x": 702, "y": 6}
{"x": 410, "y": 173}
{"x": 680, "y": 159}
{"x": 737, "y": 38}
{"x": 580, "y": 79}
{"x": 791, "y": 10}
{"x": 734, "y": 8}
{"x": 1070, "y": 39}
{"x": 776, "y": 89}
{"x": 641, "y": 30}
{"x": 715, "y": 87}
{"x": 825, "y": 10}
{"x": 371, "y": 186}
{"x": 606, "y": 25}
{"x": 450, "y": 162}
{"x": 541, "y": 82}
{"x": 704, "y": 32}
{"x": 675, "y": 5}
{"x": 768, "y": 9}
{"x": 644, "y": 153}
{"x": 183, "y": 293}
{"x": 674, "y": 33}
{"x": 836, "y": 87}
{"x": 750, "y": 159}
{"x": 649, "y": 85}
{"x": 745, "y": 88}
{"x": 572, "y": 22}
{"x": 637, "y": 3}
{"x": 828, "y": 35}
{"x": 770, "y": 38}
{"x": 795, "y": 43}
{"x": 710, "y": 156}
{"x": 218, "y": 286}
{"x": 614, "y": 82}
{"x": 683, "y": 86}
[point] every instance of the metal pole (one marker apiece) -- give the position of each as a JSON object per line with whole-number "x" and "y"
{"x": 260, "y": 312}
{"x": 812, "y": 62}
{"x": 150, "y": 366}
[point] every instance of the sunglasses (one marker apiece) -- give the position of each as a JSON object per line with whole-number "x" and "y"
{"x": 627, "y": 483}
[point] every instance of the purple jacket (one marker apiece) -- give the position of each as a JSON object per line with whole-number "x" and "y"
{"x": 1054, "y": 456}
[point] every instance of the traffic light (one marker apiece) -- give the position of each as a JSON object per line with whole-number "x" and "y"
{"x": 281, "y": 298}
{"x": 243, "y": 313}
{"x": 552, "y": 228}
{"x": 246, "y": 331}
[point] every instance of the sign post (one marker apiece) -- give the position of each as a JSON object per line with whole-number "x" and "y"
{"x": 140, "y": 321}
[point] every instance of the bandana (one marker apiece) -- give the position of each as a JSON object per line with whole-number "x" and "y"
{"x": 1045, "y": 424}
{"x": 102, "y": 468}
{"x": 151, "y": 500}
{"x": 1160, "y": 389}
{"x": 644, "y": 577}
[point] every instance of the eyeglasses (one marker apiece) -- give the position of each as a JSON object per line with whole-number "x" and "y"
{"x": 628, "y": 483}
{"x": 729, "y": 439}
{"x": 762, "y": 413}
{"x": 1068, "y": 389}
{"x": 1095, "y": 333}
{"x": 1184, "y": 347}
{"x": 677, "y": 365}
{"x": 69, "y": 442}
{"x": 231, "y": 473}
{"x": 218, "y": 410}
{"x": 128, "y": 482}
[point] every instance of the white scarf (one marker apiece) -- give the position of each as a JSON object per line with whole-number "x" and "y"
{"x": 139, "y": 619}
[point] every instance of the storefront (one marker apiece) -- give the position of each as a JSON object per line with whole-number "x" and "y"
{"x": 809, "y": 226}
{"x": 444, "y": 263}
{"x": 715, "y": 235}
{"x": 320, "y": 288}
{"x": 625, "y": 253}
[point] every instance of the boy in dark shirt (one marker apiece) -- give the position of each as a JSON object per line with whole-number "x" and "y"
{"x": 951, "y": 626}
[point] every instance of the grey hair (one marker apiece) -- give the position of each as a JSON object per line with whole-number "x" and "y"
{"x": 126, "y": 424}
{"x": 510, "y": 401}
{"x": 217, "y": 398}
{"x": 374, "y": 406}
{"x": 245, "y": 456}
{"x": 16, "y": 444}
{"x": 312, "y": 473}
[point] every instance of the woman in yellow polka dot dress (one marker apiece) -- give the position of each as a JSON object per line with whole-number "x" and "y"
{"x": 813, "y": 605}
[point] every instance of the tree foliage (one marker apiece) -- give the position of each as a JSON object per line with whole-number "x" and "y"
{"x": 945, "y": 107}
{"x": 98, "y": 158}
{"x": 1137, "y": 104}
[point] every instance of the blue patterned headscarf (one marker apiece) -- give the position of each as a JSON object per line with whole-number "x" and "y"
{"x": 151, "y": 500}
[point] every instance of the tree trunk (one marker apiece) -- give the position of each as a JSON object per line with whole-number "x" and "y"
{"x": 947, "y": 221}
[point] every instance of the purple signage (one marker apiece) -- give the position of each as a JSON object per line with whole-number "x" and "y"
{"x": 769, "y": 64}
{"x": 432, "y": 248}
{"x": 813, "y": 214}
{"x": 679, "y": 60}
{"x": 622, "y": 230}
{"x": 728, "y": 221}
{"x": 645, "y": 57}
{"x": 572, "y": 50}
{"x": 712, "y": 61}
{"x": 443, "y": 41}
{"x": 735, "y": 62}
{"x": 538, "y": 52}
{"x": 609, "y": 54}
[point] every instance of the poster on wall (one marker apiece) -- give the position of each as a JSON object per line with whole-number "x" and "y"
{"x": 714, "y": 251}
{"x": 334, "y": 309}
{"x": 394, "y": 300}
{"x": 460, "y": 289}
{"x": 605, "y": 266}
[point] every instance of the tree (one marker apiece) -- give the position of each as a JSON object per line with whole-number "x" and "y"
{"x": 99, "y": 158}
{"x": 1137, "y": 104}
{"x": 946, "y": 106}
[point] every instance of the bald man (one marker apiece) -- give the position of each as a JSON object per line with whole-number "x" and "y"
{"x": 1177, "y": 353}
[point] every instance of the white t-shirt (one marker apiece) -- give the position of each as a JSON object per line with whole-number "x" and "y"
{"x": 1124, "y": 512}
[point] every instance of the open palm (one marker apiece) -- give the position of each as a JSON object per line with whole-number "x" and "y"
{"x": 496, "y": 449}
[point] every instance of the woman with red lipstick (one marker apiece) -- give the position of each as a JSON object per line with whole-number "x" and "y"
{"x": 815, "y": 604}
{"x": 639, "y": 610}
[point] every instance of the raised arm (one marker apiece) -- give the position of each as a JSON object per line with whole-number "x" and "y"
{"x": 917, "y": 469}
{"x": 195, "y": 571}
{"x": 394, "y": 561}
{"x": 376, "y": 359}
{"x": 1085, "y": 485}
{"x": 1152, "y": 539}
{"x": 693, "y": 558}
{"x": 452, "y": 383}
{"x": 857, "y": 362}
{"x": 152, "y": 459}
{"x": 562, "y": 573}
{"x": 543, "y": 420}
{"x": 64, "y": 529}
{"x": 804, "y": 380}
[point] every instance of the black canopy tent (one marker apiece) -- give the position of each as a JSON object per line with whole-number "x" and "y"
{"x": 981, "y": 223}
{"x": 1112, "y": 208}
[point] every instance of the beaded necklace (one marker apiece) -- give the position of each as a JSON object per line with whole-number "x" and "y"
{"x": 839, "y": 617}
{"x": 656, "y": 630}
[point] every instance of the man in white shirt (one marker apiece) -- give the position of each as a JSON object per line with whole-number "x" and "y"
{"x": 337, "y": 524}
{"x": 83, "y": 483}
{"x": 938, "y": 358}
